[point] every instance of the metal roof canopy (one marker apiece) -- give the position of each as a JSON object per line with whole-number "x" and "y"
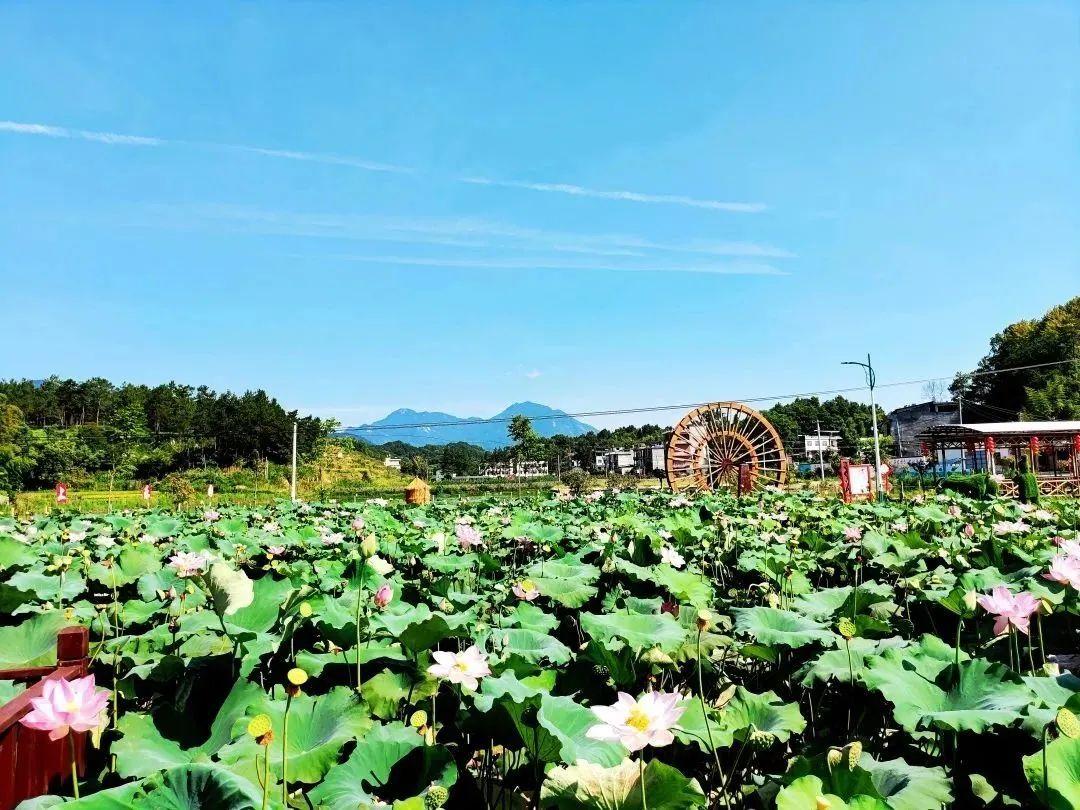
{"x": 1018, "y": 430}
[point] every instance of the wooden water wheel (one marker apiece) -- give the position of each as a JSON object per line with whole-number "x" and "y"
{"x": 710, "y": 443}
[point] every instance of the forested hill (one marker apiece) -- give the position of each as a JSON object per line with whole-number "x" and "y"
{"x": 49, "y": 428}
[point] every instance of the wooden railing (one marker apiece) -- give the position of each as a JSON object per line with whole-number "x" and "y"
{"x": 30, "y": 763}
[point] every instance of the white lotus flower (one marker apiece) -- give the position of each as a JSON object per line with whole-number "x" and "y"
{"x": 638, "y": 723}
{"x": 466, "y": 668}
{"x": 672, "y": 557}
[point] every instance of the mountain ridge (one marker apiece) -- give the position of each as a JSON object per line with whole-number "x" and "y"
{"x": 426, "y": 427}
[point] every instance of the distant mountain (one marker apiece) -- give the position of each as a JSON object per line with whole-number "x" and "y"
{"x": 443, "y": 428}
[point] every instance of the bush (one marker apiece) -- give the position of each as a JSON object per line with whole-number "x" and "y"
{"x": 976, "y": 485}
{"x": 183, "y": 493}
{"x": 1027, "y": 485}
{"x": 576, "y": 480}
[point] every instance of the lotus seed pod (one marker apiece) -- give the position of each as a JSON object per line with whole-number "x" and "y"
{"x": 418, "y": 719}
{"x": 297, "y": 676}
{"x": 436, "y": 797}
{"x": 259, "y": 726}
{"x": 1067, "y": 723}
{"x": 854, "y": 754}
{"x": 305, "y": 610}
{"x": 761, "y": 740}
{"x": 847, "y": 628}
{"x": 704, "y": 620}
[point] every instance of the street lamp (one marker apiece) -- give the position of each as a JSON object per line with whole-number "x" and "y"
{"x": 871, "y": 379}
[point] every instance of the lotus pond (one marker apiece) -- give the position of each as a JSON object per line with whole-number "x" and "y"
{"x": 623, "y": 650}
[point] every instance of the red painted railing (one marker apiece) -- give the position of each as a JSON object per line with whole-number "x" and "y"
{"x": 30, "y": 763}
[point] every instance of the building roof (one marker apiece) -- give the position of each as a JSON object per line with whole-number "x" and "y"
{"x": 972, "y": 430}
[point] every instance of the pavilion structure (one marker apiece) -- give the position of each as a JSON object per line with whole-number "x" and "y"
{"x": 1051, "y": 448}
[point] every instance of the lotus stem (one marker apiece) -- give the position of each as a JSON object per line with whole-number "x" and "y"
{"x": 74, "y": 764}
{"x": 285, "y": 751}
{"x": 641, "y": 780}
{"x": 704, "y": 709}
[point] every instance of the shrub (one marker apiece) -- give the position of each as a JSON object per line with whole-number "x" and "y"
{"x": 576, "y": 480}
{"x": 976, "y": 485}
{"x": 183, "y": 493}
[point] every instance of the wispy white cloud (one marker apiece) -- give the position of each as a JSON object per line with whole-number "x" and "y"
{"x": 463, "y": 232}
{"x": 544, "y": 263}
{"x": 628, "y": 196}
{"x": 81, "y": 134}
{"x": 320, "y": 157}
{"x": 533, "y": 373}
{"x": 571, "y": 189}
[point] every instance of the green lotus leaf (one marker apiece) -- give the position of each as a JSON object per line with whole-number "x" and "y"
{"x": 230, "y": 590}
{"x": 568, "y": 721}
{"x": 31, "y": 643}
{"x": 784, "y": 627}
{"x": 639, "y": 631}
{"x": 586, "y": 786}
{"x": 368, "y": 768}
{"x": 986, "y": 694}
{"x": 1062, "y": 772}
{"x": 195, "y": 787}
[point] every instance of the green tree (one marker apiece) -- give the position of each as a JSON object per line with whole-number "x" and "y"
{"x": 525, "y": 439}
{"x": 1048, "y": 392}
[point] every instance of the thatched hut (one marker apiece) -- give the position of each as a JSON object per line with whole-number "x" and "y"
{"x": 418, "y": 492}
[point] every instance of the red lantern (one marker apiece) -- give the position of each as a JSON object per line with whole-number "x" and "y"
{"x": 924, "y": 448}
{"x": 1076, "y": 444}
{"x": 1034, "y": 444}
{"x": 990, "y": 444}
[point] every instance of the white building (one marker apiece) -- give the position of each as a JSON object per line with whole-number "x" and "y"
{"x": 515, "y": 469}
{"x": 828, "y": 442}
{"x": 392, "y": 463}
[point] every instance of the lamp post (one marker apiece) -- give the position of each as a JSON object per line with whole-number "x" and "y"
{"x": 871, "y": 379}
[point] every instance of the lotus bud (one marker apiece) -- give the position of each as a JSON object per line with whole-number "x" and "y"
{"x": 971, "y": 600}
{"x": 370, "y": 546}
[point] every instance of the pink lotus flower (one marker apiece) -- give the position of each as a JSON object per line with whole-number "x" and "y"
{"x": 638, "y": 723}
{"x": 188, "y": 563}
{"x": 275, "y": 551}
{"x": 1011, "y": 611}
{"x": 210, "y": 515}
{"x": 852, "y": 534}
{"x": 65, "y": 706}
{"x": 468, "y": 536}
{"x": 954, "y": 511}
{"x": 1070, "y": 547}
{"x": 526, "y": 590}
{"x": 357, "y": 524}
{"x": 466, "y": 668}
{"x": 383, "y": 596}
{"x": 968, "y": 530}
{"x": 1065, "y": 568}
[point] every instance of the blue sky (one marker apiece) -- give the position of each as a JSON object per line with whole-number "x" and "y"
{"x": 456, "y": 206}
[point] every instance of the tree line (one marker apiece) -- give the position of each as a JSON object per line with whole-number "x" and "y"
{"x": 56, "y": 428}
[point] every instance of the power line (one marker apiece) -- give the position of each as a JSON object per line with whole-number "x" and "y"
{"x": 688, "y": 406}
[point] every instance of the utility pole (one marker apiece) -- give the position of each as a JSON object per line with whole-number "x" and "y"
{"x": 820, "y": 453}
{"x": 292, "y": 484}
{"x": 871, "y": 380}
